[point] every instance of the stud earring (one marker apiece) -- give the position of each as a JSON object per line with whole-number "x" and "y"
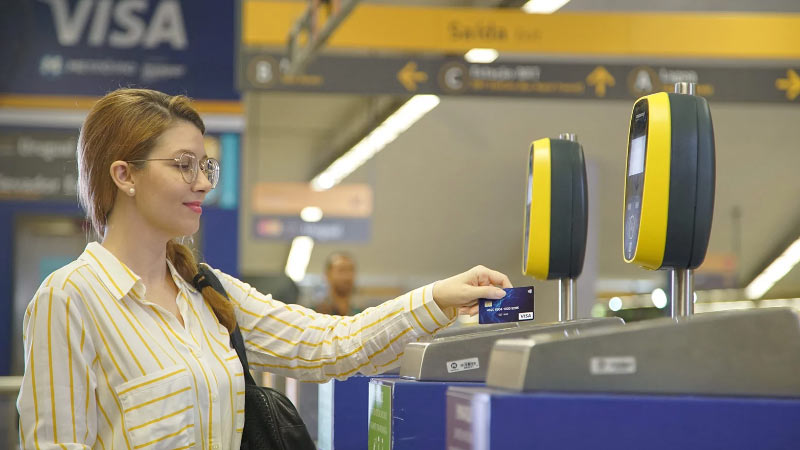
{"x": 131, "y": 191}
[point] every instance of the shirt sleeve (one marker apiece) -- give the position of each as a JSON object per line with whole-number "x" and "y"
{"x": 300, "y": 343}
{"x": 56, "y": 401}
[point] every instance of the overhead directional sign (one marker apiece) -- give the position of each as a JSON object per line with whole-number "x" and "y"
{"x": 600, "y": 79}
{"x": 790, "y": 84}
{"x": 455, "y": 76}
{"x": 423, "y": 29}
{"x": 409, "y": 76}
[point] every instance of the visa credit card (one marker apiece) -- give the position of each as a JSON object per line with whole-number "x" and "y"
{"x": 516, "y": 306}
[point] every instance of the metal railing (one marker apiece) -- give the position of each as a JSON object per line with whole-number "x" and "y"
{"x": 9, "y": 433}
{"x": 10, "y": 385}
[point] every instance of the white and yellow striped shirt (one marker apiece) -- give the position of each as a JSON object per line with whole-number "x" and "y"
{"x": 106, "y": 369}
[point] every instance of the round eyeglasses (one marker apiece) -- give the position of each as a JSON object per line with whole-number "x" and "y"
{"x": 189, "y": 166}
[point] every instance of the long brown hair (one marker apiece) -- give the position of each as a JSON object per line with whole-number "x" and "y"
{"x": 124, "y": 125}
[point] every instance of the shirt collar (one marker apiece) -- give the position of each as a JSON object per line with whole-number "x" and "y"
{"x": 117, "y": 277}
{"x": 179, "y": 281}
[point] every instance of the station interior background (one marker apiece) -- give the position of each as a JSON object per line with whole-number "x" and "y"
{"x": 449, "y": 193}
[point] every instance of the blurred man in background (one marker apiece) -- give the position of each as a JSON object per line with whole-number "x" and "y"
{"x": 340, "y": 272}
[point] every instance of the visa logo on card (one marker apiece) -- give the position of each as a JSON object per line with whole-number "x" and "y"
{"x": 516, "y": 306}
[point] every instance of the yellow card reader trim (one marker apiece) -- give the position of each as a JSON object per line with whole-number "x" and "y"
{"x": 652, "y": 237}
{"x": 538, "y": 264}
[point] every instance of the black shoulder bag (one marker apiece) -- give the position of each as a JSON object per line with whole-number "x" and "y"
{"x": 271, "y": 422}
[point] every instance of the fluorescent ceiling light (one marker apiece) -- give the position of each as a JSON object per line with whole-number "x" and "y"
{"x": 375, "y": 141}
{"x": 481, "y": 55}
{"x": 299, "y": 255}
{"x": 774, "y": 272}
{"x": 311, "y": 214}
{"x": 615, "y": 304}
{"x": 543, "y": 6}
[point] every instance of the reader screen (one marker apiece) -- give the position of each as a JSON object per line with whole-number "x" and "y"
{"x": 634, "y": 182}
{"x": 636, "y": 164}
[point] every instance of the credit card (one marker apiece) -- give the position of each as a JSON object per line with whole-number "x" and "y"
{"x": 516, "y": 306}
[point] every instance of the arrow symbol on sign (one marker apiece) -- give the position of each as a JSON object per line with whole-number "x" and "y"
{"x": 409, "y": 76}
{"x": 600, "y": 78}
{"x": 790, "y": 84}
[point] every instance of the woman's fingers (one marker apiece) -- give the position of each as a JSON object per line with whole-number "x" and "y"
{"x": 484, "y": 276}
{"x": 499, "y": 279}
{"x": 466, "y": 288}
{"x": 491, "y": 292}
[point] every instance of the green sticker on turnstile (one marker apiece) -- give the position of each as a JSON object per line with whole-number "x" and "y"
{"x": 380, "y": 417}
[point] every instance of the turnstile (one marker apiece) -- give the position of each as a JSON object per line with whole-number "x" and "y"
{"x": 466, "y": 357}
{"x": 749, "y": 352}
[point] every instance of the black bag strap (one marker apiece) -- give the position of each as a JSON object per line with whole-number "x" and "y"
{"x": 207, "y": 278}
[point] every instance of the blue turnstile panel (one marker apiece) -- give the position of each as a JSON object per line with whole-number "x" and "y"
{"x": 486, "y": 418}
{"x": 342, "y": 415}
{"x": 408, "y": 414}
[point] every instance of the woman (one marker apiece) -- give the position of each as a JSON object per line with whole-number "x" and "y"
{"x": 121, "y": 351}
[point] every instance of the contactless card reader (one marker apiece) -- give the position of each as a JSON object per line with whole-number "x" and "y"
{"x": 751, "y": 352}
{"x": 669, "y": 187}
{"x": 466, "y": 357}
{"x": 556, "y": 217}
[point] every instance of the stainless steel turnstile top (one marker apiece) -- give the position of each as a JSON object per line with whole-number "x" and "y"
{"x": 465, "y": 357}
{"x": 751, "y": 352}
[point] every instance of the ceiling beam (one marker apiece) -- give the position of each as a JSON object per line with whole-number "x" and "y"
{"x": 301, "y": 57}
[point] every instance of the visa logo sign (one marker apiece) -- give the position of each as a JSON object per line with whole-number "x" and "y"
{"x": 119, "y": 24}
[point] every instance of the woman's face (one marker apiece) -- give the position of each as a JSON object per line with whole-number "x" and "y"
{"x": 167, "y": 202}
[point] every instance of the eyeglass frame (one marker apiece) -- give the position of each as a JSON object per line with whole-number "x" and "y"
{"x": 195, "y": 171}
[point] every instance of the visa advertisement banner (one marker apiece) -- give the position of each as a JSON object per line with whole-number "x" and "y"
{"x": 89, "y": 47}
